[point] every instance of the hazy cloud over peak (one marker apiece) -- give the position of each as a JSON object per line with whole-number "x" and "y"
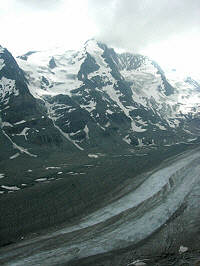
{"x": 168, "y": 31}
{"x": 135, "y": 24}
{"x": 41, "y": 4}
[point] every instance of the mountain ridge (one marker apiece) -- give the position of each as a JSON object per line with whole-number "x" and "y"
{"x": 78, "y": 127}
{"x": 98, "y": 87}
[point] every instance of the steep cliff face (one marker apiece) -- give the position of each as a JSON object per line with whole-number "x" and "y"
{"x": 24, "y": 120}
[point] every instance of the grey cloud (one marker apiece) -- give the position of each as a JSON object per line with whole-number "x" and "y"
{"x": 134, "y": 24}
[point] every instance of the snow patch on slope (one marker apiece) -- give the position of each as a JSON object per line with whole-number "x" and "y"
{"x": 86, "y": 129}
{"x": 68, "y": 137}
{"x": 115, "y": 97}
{"x": 14, "y": 156}
{"x": 2, "y": 176}
{"x": 127, "y": 139}
{"x": 52, "y": 116}
{"x": 14, "y": 188}
{"x": 6, "y": 124}
{"x": 160, "y": 126}
{"x": 60, "y": 80}
{"x": 2, "y": 64}
{"x": 95, "y": 156}
{"x": 7, "y": 88}
{"x": 90, "y": 106}
{"x": 15, "y": 146}
{"x": 136, "y": 128}
{"x": 24, "y": 132}
{"x": 20, "y": 122}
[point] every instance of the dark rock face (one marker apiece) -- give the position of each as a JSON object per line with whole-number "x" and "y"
{"x": 52, "y": 63}
{"x": 20, "y": 110}
{"x": 12, "y": 71}
{"x": 25, "y": 56}
{"x": 89, "y": 65}
{"x": 15, "y": 93}
{"x": 193, "y": 82}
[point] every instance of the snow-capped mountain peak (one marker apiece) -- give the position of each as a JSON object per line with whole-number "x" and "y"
{"x": 95, "y": 93}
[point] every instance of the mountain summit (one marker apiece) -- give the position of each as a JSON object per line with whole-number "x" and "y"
{"x": 97, "y": 93}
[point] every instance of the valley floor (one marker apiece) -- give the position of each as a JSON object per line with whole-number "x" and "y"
{"x": 155, "y": 215}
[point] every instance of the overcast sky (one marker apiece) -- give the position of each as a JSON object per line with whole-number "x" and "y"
{"x": 166, "y": 30}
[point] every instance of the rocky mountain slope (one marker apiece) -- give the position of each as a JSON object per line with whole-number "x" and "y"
{"x": 93, "y": 99}
{"x": 76, "y": 127}
{"x": 96, "y": 94}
